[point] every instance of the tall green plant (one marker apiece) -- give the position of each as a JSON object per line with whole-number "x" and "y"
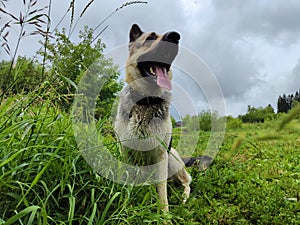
{"x": 25, "y": 76}
{"x": 69, "y": 62}
{"x": 30, "y": 16}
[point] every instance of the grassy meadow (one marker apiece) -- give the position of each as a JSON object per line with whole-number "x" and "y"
{"x": 255, "y": 178}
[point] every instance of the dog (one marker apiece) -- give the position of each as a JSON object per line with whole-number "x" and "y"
{"x": 143, "y": 124}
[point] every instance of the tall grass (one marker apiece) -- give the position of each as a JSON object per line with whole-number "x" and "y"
{"x": 44, "y": 179}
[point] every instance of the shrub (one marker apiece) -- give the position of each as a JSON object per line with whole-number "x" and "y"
{"x": 233, "y": 123}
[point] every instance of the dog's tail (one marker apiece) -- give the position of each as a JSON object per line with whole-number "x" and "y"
{"x": 201, "y": 162}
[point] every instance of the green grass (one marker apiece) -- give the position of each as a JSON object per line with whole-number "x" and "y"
{"x": 255, "y": 179}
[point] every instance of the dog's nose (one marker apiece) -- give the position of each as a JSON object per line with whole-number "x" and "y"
{"x": 172, "y": 37}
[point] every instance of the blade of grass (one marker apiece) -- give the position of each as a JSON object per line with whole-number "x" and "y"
{"x": 107, "y": 207}
{"x": 11, "y": 158}
{"x": 91, "y": 219}
{"x": 39, "y": 175}
{"x": 72, "y": 202}
{"x": 24, "y": 212}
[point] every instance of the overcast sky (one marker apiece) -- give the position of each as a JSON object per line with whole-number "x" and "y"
{"x": 251, "y": 46}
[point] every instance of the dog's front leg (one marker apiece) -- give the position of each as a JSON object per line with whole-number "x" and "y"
{"x": 162, "y": 195}
{"x": 162, "y": 186}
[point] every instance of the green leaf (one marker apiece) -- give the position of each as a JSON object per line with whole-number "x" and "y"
{"x": 72, "y": 83}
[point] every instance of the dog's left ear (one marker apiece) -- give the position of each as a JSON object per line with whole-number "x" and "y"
{"x": 135, "y": 33}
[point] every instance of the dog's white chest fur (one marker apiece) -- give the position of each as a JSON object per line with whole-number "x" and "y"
{"x": 143, "y": 123}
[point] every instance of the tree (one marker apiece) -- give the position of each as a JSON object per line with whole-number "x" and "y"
{"x": 24, "y": 77}
{"x": 69, "y": 62}
{"x": 285, "y": 103}
{"x": 260, "y": 114}
{"x": 269, "y": 112}
{"x": 297, "y": 96}
{"x": 282, "y": 104}
{"x": 173, "y": 121}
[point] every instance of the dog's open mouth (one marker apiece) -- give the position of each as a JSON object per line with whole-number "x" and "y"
{"x": 157, "y": 71}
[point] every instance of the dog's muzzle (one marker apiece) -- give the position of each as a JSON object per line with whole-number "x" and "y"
{"x": 157, "y": 61}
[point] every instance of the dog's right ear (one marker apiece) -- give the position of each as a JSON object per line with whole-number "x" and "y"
{"x": 135, "y": 33}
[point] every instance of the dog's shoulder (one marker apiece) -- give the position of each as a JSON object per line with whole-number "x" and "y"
{"x": 125, "y": 102}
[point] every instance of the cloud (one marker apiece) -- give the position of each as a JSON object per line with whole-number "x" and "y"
{"x": 229, "y": 40}
{"x": 226, "y": 36}
{"x": 158, "y": 16}
{"x": 294, "y": 78}
{"x": 226, "y": 53}
{"x": 276, "y": 22}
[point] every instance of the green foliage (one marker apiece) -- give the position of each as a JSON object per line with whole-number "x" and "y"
{"x": 71, "y": 62}
{"x": 173, "y": 121}
{"x": 204, "y": 121}
{"x": 191, "y": 123}
{"x": 233, "y": 123}
{"x": 294, "y": 113}
{"x": 24, "y": 77}
{"x": 255, "y": 115}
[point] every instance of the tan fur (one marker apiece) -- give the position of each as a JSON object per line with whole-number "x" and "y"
{"x": 139, "y": 125}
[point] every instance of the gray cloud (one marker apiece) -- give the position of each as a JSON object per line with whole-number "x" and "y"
{"x": 294, "y": 78}
{"x": 227, "y": 41}
{"x": 224, "y": 34}
{"x": 276, "y": 21}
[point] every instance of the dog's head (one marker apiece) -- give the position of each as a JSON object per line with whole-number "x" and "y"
{"x": 150, "y": 57}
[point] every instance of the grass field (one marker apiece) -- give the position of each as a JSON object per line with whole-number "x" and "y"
{"x": 255, "y": 178}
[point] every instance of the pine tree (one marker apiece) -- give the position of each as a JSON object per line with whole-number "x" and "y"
{"x": 290, "y": 99}
{"x": 283, "y": 104}
{"x": 297, "y": 97}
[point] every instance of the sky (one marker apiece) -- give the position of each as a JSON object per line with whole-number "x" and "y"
{"x": 251, "y": 48}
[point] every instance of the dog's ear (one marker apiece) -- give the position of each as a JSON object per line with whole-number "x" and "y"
{"x": 135, "y": 33}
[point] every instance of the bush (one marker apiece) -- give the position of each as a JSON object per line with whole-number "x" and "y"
{"x": 258, "y": 115}
{"x": 233, "y": 123}
{"x": 71, "y": 62}
{"x": 23, "y": 77}
{"x": 202, "y": 122}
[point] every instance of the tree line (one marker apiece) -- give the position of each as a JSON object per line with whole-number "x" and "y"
{"x": 284, "y": 104}
{"x": 203, "y": 121}
{"x": 287, "y": 102}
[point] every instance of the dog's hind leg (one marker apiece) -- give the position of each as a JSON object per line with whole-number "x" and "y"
{"x": 185, "y": 179}
{"x": 178, "y": 173}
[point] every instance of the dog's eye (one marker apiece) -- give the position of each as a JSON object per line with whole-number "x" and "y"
{"x": 151, "y": 37}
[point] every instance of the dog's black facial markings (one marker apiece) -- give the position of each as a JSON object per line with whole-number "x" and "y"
{"x": 145, "y": 100}
{"x": 150, "y": 100}
{"x": 172, "y": 37}
{"x": 159, "y": 58}
{"x": 151, "y": 37}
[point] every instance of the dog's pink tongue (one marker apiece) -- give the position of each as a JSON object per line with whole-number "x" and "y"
{"x": 162, "y": 78}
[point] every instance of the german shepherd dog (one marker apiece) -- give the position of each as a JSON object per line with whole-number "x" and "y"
{"x": 143, "y": 123}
